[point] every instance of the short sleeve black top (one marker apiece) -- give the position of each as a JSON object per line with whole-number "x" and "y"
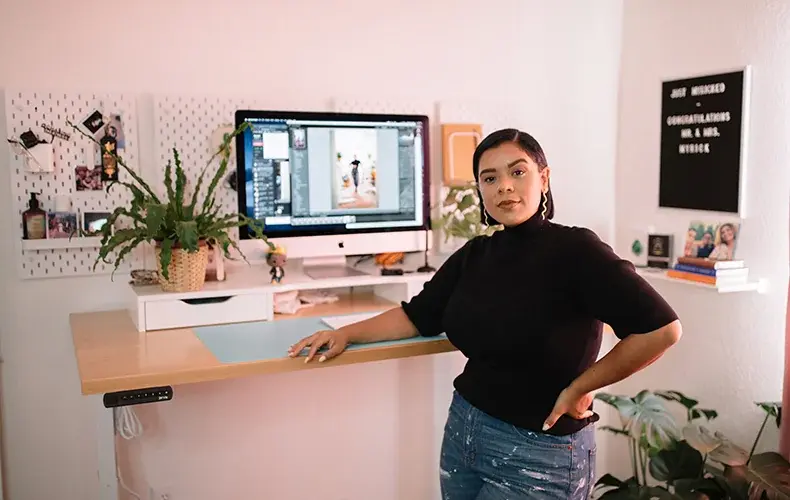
{"x": 526, "y": 306}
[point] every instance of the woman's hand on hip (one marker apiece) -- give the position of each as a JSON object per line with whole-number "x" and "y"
{"x": 335, "y": 342}
{"x": 572, "y": 404}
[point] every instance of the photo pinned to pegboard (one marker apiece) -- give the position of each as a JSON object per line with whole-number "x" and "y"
{"x": 76, "y": 183}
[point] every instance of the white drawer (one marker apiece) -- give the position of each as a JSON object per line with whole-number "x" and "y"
{"x": 163, "y": 314}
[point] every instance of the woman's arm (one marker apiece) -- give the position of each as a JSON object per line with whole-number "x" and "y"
{"x": 421, "y": 315}
{"x": 610, "y": 289}
{"x": 389, "y": 325}
{"x": 627, "y": 357}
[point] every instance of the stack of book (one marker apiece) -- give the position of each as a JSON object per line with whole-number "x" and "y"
{"x": 719, "y": 273}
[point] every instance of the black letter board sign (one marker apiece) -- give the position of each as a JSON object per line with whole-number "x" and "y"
{"x": 702, "y": 142}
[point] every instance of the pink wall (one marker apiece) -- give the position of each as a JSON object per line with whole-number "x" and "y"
{"x": 784, "y": 431}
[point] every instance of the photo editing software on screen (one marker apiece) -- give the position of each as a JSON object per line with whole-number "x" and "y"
{"x": 310, "y": 175}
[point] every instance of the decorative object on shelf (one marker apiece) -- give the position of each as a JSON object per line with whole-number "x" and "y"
{"x": 62, "y": 224}
{"x": 659, "y": 250}
{"x": 672, "y": 459}
{"x": 704, "y": 124}
{"x": 180, "y": 227}
{"x": 460, "y": 214}
{"x": 34, "y": 220}
{"x": 92, "y": 222}
{"x": 276, "y": 259}
{"x": 215, "y": 270}
{"x": 459, "y": 141}
{"x": 144, "y": 277}
{"x": 711, "y": 240}
{"x": 636, "y": 248}
{"x": 389, "y": 259}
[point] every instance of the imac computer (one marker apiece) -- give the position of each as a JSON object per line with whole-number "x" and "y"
{"x": 328, "y": 185}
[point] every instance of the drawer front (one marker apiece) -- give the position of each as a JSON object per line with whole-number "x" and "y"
{"x": 164, "y": 314}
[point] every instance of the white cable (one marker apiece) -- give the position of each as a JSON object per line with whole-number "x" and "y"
{"x": 126, "y": 488}
{"x": 129, "y": 427}
{"x": 126, "y": 423}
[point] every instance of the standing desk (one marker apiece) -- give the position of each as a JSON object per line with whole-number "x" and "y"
{"x": 113, "y": 354}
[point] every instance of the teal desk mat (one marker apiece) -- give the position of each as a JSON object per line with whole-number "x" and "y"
{"x": 262, "y": 340}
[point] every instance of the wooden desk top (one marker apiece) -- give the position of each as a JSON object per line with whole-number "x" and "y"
{"x": 113, "y": 356}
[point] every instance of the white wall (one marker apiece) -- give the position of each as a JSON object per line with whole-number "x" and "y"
{"x": 732, "y": 350}
{"x": 557, "y": 59}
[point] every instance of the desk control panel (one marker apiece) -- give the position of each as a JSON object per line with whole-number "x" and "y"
{"x": 138, "y": 396}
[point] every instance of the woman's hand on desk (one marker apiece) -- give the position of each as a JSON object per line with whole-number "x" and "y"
{"x": 389, "y": 325}
{"x": 334, "y": 340}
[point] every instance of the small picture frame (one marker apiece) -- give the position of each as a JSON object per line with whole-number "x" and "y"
{"x": 92, "y": 222}
{"x": 61, "y": 224}
{"x": 659, "y": 250}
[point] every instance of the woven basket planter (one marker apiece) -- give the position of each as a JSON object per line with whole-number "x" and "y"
{"x": 187, "y": 270}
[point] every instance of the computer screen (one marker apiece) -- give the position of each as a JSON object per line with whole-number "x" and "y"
{"x": 305, "y": 174}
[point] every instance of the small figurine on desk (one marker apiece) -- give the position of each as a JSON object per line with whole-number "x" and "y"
{"x": 276, "y": 259}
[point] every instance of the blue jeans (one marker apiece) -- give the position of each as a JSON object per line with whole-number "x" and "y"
{"x": 484, "y": 458}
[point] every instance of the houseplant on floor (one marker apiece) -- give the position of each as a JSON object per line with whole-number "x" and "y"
{"x": 180, "y": 225}
{"x": 688, "y": 460}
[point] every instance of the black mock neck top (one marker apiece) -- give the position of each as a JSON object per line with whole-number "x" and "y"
{"x": 526, "y": 306}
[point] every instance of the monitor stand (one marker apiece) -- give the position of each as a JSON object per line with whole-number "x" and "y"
{"x": 327, "y": 268}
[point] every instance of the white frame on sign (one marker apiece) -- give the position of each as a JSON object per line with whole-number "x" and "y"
{"x": 744, "y": 136}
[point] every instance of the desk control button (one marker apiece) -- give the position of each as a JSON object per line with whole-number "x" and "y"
{"x": 138, "y": 396}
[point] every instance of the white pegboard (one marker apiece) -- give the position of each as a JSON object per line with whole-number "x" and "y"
{"x": 29, "y": 110}
{"x": 189, "y": 122}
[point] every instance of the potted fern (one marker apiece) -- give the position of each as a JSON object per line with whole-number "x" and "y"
{"x": 181, "y": 227}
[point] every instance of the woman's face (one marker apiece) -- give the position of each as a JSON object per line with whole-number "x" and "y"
{"x": 726, "y": 234}
{"x": 511, "y": 184}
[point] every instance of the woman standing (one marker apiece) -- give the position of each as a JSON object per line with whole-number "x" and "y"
{"x": 526, "y": 306}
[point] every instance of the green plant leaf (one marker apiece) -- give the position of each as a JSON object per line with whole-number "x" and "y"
{"x": 702, "y": 412}
{"x": 155, "y": 214}
{"x": 773, "y": 409}
{"x": 187, "y": 234}
{"x": 171, "y": 193}
{"x": 165, "y": 255}
{"x": 680, "y": 462}
{"x": 181, "y": 182}
{"x": 678, "y": 397}
{"x": 645, "y": 414}
{"x": 615, "y": 430}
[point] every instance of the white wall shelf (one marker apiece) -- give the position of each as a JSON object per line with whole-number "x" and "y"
{"x": 60, "y": 243}
{"x": 759, "y": 286}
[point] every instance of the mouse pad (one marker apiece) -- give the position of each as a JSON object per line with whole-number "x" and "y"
{"x": 262, "y": 340}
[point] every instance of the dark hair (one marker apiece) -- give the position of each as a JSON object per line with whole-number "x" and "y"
{"x": 529, "y": 145}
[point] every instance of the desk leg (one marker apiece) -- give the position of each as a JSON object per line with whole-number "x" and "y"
{"x": 105, "y": 440}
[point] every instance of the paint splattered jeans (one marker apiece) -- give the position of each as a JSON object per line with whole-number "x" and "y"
{"x": 484, "y": 458}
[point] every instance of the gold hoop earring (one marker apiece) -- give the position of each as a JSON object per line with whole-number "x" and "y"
{"x": 545, "y": 205}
